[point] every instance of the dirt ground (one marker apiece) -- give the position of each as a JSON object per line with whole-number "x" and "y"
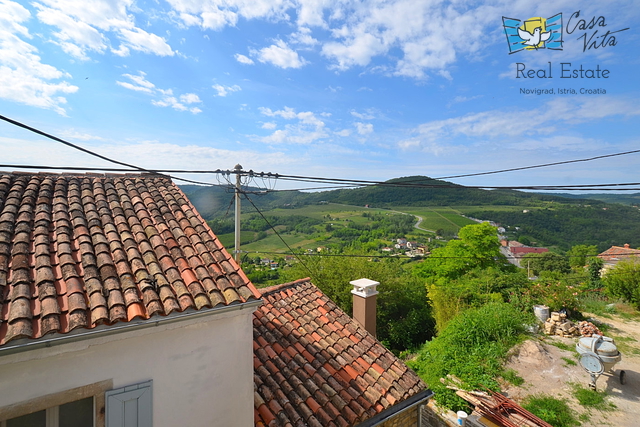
{"x": 543, "y": 369}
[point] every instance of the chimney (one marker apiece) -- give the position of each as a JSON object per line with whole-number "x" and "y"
{"x": 626, "y": 246}
{"x": 364, "y": 303}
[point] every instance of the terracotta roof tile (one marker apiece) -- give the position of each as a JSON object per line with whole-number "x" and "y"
{"x": 322, "y": 367}
{"x": 77, "y": 251}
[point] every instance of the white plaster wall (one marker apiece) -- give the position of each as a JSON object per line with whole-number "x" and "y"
{"x": 202, "y": 369}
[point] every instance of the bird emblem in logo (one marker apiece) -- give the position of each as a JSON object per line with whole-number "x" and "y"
{"x": 533, "y": 33}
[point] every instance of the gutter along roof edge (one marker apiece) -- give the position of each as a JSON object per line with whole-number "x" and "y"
{"x": 27, "y": 344}
{"x": 398, "y": 408}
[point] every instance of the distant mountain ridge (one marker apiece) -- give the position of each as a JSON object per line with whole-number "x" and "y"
{"x": 215, "y": 201}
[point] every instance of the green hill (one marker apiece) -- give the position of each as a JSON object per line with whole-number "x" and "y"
{"x": 214, "y": 201}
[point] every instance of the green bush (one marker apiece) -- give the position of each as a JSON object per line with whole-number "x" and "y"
{"x": 623, "y": 281}
{"x": 554, "y": 411}
{"x": 472, "y": 347}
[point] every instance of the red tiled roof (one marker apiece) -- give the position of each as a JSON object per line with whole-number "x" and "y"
{"x": 619, "y": 253}
{"x": 527, "y": 250}
{"x": 80, "y": 251}
{"x": 315, "y": 366}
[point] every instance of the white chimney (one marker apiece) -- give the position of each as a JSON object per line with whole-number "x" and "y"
{"x": 364, "y": 303}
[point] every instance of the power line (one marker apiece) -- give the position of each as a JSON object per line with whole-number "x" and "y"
{"x": 276, "y": 232}
{"x": 541, "y": 165}
{"x": 92, "y": 153}
{"x": 332, "y": 180}
{"x": 355, "y": 183}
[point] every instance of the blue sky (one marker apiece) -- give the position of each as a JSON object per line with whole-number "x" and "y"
{"x": 334, "y": 88}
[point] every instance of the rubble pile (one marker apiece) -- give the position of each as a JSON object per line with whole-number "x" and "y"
{"x": 558, "y": 324}
{"x": 588, "y": 329}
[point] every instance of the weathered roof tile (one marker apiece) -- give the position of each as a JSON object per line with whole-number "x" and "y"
{"x": 77, "y": 251}
{"x": 319, "y": 361}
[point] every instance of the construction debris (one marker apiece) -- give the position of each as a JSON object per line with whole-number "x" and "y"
{"x": 558, "y": 324}
{"x": 494, "y": 406}
{"x": 501, "y": 410}
{"x": 588, "y": 329}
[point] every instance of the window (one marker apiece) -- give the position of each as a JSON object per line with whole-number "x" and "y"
{"x": 129, "y": 406}
{"x": 72, "y": 414}
{"x": 93, "y": 405}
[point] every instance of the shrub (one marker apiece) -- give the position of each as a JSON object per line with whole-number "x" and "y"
{"x": 472, "y": 347}
{"x": 623, "y": 281}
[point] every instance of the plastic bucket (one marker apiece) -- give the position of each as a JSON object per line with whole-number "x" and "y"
{"x": 541, "y": 312}
{"x": 462, "y": 418}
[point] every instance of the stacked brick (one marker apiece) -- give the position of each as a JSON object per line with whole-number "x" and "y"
{"x": 588, "y": 329}
{"x": 558, "y": 325}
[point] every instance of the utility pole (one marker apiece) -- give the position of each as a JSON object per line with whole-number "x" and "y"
{"x": 236, "y": 251}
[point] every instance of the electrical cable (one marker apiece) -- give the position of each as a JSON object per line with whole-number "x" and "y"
{"x": 339, "y": 180}
{"x": 91, "y": 153}
{"x": 224, "y": 173}
{"x": 541, "y": 166}
{"x": 276, "y": 232}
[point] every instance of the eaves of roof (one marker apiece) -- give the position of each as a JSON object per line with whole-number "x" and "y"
{"x": 79, "y": 252}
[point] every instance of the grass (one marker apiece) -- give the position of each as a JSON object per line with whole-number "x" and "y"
{"x": 624, "y": 346}
{"x": 560, "y": 345}
{"x": 511, "y": 375}
{"x": 592, "y": 399}
{"x": 569, "y": 362}
{"x": 552, "y": 410}
{"x": 598, "y": 304}
{"x": 445, "y": 218}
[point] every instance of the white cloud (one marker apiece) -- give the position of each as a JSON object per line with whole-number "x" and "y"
{"x": 306, "y": 129}
{"x": 189, "y": 98}
{"x": 553, "y": 116}
{"x": 362, "y": 116}
{"x": 23, "y": 76}
{"x": 343, "y": 132}
{"x": 417, "y": 39}
{"x": 162, "y": 97}
{"x": 364, "y": 128}
{"x": 225, "y": 90}
{"x": 84, "y": 27}
{"x": 142, "y": 41}
{"x": 557, "y": 142}
{"x": 215, "y": 15}
{"x": 243, "y": 59}
{"x": 74, "y": 134}
{"x": 280, "y": 55}
{"x": 166, "y": 155}
{"x": 459, "y": 99}
{"x": 303, "y": 37}
{"x": 74, "y": 37}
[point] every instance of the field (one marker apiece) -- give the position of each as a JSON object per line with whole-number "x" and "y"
{"x": 445, "y": 219}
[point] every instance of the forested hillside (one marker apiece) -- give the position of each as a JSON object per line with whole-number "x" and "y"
{"x": 564, "y": 226}
{"x": 214, "y": 201}
{"x": 550, "y": 220}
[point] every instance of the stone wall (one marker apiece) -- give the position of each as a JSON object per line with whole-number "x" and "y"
{"x": 409, "y": 418}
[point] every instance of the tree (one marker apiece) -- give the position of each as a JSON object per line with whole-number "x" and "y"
{"x": 595, "y": 269}
{"x": 403, "y": 316}
{"x": 579, "y": 255}
{"x": 478, "y": 247}
{"x": 623, "y": 281}
{"x": 546, "y": 262}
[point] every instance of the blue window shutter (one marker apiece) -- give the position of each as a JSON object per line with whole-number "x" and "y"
{"x": 130, "y": 406}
